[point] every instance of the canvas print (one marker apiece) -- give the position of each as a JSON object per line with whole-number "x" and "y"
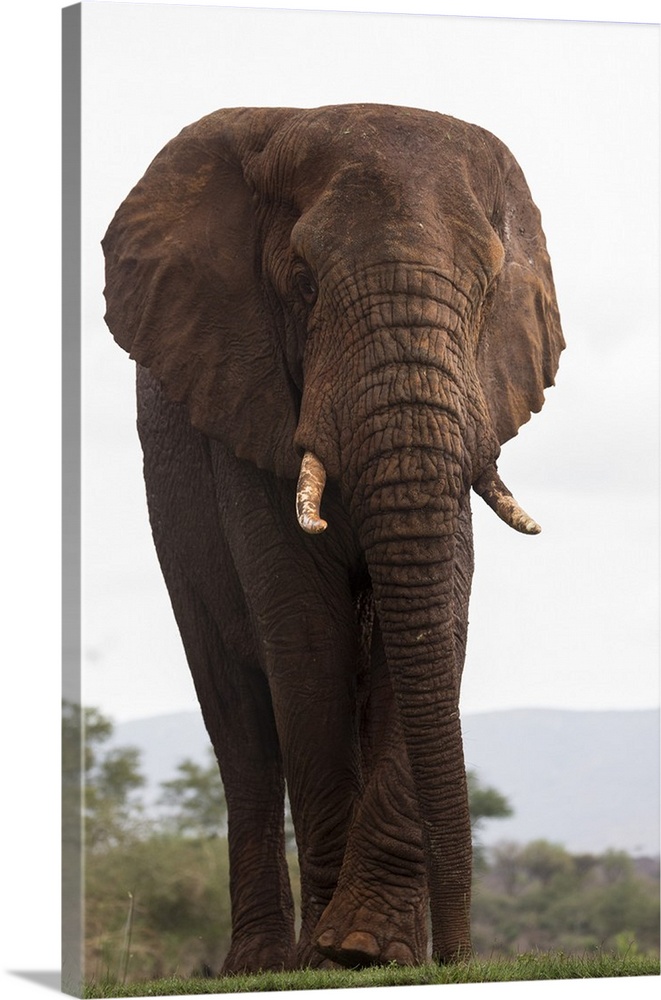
{"x": 368, "y": 350}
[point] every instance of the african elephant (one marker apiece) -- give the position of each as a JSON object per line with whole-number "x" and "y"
{"x": 358, "y": 299}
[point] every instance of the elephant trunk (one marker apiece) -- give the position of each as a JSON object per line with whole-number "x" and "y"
{"x": 408, "y": 532}
{"x": 407, "y": 474}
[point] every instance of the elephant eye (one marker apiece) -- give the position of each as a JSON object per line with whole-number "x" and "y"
{"x": 306, "y": 285}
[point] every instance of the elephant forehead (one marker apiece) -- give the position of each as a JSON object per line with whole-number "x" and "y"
{"x": 317, "y": 157}
{"x": 383, "y": 174}
{"x": 317, "y": 143}
{"x": 359, "y": 127}
{"x": 359, "y": 206}
{"x": 417, "y": 214}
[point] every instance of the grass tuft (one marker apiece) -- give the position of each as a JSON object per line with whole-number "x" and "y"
{"x": 528, "y": 968}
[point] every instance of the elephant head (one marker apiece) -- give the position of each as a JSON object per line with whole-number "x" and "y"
{"x": 361, "y": 294}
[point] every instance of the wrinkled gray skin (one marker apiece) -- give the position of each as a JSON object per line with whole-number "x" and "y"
{"x": 369, "y": 286}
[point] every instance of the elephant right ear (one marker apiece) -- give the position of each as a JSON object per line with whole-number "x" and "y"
{"x": 184, "y": 294}
{"x": 522, "y": 338}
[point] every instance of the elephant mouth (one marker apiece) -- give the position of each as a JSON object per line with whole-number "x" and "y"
{"x": 489, "y": 486}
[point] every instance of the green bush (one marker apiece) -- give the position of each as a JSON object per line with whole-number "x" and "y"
{"x": 541, "y": 897}
{"x": 173, "y": 891}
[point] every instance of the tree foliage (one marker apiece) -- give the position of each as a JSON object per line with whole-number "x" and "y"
{"x": 112, "y": 810}
{"x": 195, "y": 799}
{"x": 485, "y": 803}
{"x": 539, "y": 896}
{"x": 102, "y": 780}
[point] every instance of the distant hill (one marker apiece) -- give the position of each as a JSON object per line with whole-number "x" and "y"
{"x": 586, "y": 780}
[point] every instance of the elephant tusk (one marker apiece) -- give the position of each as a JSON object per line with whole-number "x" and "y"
{"x": 311, "y": 482}
{"x": 494, "y": 493}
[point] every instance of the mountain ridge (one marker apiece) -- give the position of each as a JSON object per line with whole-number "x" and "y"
{"x": 588, "y": 780}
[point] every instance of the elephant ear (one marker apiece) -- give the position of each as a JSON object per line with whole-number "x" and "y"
{"x": 183, "y": 290}
{"x": 521, "y": 338}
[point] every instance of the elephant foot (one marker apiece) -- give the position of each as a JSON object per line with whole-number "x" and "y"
{"x": 309, "y": 957}
{"x": 360, "y": 936}
{"x": 257, "y": 955}
{"x": 360, "y": 949}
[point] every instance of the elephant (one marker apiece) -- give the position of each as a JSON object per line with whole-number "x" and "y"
{"x": 338, "y": 315}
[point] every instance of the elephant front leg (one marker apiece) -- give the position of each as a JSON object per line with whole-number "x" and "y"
{"x": 242, "y": 729}
{"x": 319, "y": 745}
{"x": 262, "y": 907}
{"x": 238, "y": 714}
{"x": 379, "y": 912}
{"x": 302, "y": 610}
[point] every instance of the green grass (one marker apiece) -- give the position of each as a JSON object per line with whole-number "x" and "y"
{"x": 527, "y": 968}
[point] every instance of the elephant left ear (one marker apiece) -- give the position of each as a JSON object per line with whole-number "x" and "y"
{"x": 184, "y": 291}
{"x": 521, "y": 338}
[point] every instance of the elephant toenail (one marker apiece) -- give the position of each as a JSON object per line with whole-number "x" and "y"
{"x": 326, "y": 940}
{"x": 400, "y": 953}
{"x": 362, "y": 943}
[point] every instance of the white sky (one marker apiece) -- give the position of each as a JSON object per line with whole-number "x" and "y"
{"x": 580, "y": 113}
{"x": 568, "y": 619}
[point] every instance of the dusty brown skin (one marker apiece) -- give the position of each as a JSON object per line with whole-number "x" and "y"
{"x": 369, "y": 285}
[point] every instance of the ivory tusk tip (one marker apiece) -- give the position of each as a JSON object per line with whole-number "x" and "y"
{"x": 519, "y": 520}
{"x": 313, "y": 525}
{"x": 496, "y": 495}
{"x": 311, "y": 482}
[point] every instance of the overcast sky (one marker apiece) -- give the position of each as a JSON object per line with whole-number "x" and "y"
{"x": 567, "y": 619}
